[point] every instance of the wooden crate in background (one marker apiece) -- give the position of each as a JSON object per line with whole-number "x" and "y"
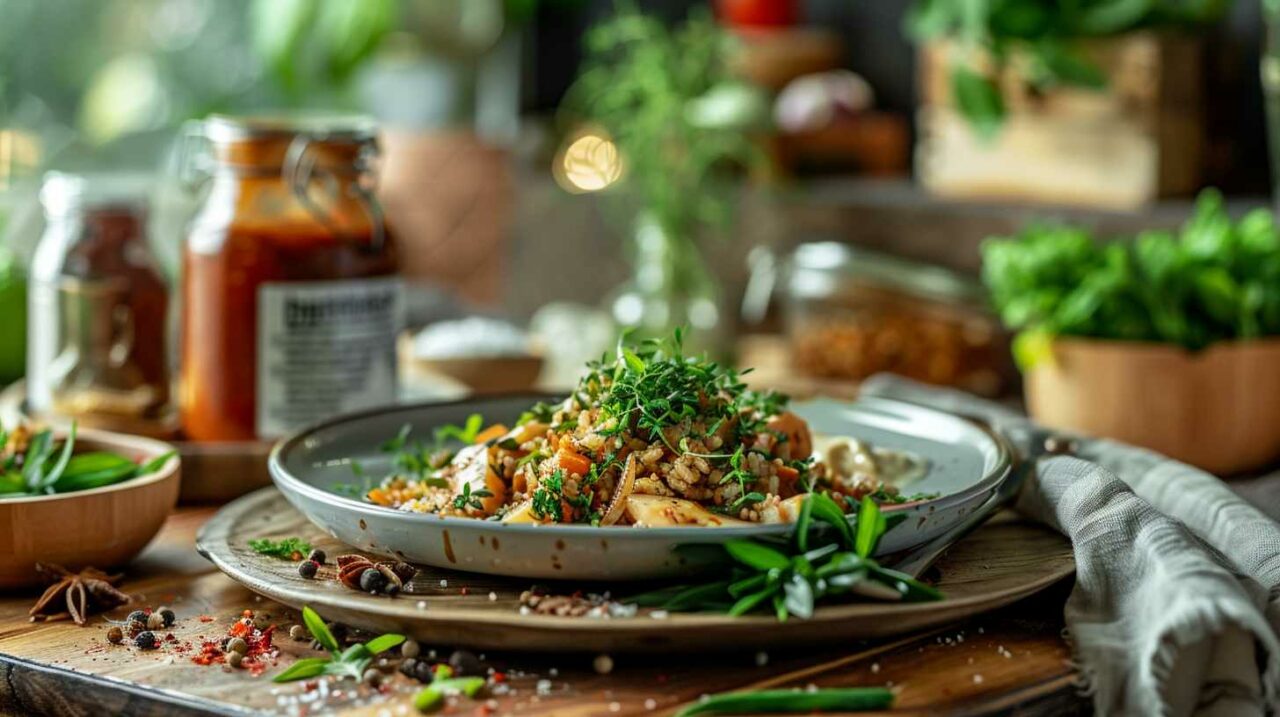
{"x": 1139, "y": 138}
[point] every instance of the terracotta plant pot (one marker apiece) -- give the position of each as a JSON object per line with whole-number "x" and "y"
{"x": 1218, "y": 409}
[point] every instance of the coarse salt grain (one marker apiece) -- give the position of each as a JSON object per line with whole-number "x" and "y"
{"x": 651, "y": 704}
{"x": 875, "y": 668}
{"x": 553, "y": 672}
{"x": 422, "y": 604}
{"x": 543, "y": 687}
{"x": 977, "y": 679}
{"x": 615, "y": 707}
{"x": 493, "y": 597}
{"x": 444, "y": 583}
{"x": 659, "y": 614}
{"x": 603, "y": 664}
{"x": 762, "y": 658}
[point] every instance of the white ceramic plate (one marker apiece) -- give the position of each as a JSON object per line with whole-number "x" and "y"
{"x": 966, "y": 466}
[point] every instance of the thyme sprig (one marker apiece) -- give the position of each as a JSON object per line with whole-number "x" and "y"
{"x": 790, "y": 577}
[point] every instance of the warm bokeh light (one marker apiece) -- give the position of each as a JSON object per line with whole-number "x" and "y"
{"x": 589, "y": 163}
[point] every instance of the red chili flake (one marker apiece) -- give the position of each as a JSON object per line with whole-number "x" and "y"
{"x": 247, "y": 613}
{"x": 464, "y": 591}
{"x": 207, "y": 618}
{"x": 499, "y": 677}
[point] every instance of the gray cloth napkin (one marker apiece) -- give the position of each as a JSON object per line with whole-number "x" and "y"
{"x": 1176, "y": 606}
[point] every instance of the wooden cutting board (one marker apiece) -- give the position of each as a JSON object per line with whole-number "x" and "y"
{"x": 1005, "y": 560}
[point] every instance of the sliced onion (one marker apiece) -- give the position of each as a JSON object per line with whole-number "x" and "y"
{"x": 620, "y": 493}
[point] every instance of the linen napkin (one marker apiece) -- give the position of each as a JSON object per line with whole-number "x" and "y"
{"x": 1176, "y": 606}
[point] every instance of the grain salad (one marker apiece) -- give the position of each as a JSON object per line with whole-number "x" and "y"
{"x": 650, "y": 437}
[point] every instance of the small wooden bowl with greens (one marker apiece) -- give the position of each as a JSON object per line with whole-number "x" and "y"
{"x": 79, "y": 498}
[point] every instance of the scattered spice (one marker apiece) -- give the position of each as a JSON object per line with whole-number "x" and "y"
{"x": 146, "y": 640}
{"x": 79, "y": 593}
{"x": 253, "y": 646}
{"x": 316, "y": 556}
{"x": 115, "y": 635}
{"x": 576, "y": 605}
{"x": 308, "y": 569}
{"x": 287, "y": 549}
{"x": 360, "y": 573}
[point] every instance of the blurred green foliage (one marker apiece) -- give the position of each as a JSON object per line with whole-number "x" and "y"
{"x": 988, "y": 32}
{"x": 682, "y": 121}
{"x": 1214, "y": 280}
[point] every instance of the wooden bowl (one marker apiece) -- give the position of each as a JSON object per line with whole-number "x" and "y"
{"x": 480, "y": 375}
{"x": 103, "y": 527}
{"x": 1218, "y": 409}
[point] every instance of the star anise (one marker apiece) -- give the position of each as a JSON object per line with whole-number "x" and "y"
{"x": 78, "y": 593}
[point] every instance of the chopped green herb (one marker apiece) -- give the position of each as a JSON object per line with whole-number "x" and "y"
{"x": 547, "y": 499}
{"x": 287, "y": 548}
{"x": 470, "y": 498}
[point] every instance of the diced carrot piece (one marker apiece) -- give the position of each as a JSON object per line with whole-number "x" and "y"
{"x": 788, "y": 473}
{"x": 377, "y": 496}
{"x": 573, "y": 462}
{"x": 490, "y": 433}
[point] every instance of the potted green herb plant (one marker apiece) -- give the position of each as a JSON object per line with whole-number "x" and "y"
{"x": 1093, "y": 102}
{"x": 1167, "y": 340}
{"x": 682, "y": 126}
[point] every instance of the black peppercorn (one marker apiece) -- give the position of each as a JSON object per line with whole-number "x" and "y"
{"x": 137, "y": 616}
{"x": 168, "y": 616}
{"x": 423, "y": 671}
{"x": 372, "y": 581}
{"x": 317, "y": 556}
{"x": 465, "y": 663}
{"x": 308, "y": 568}
{"x": 408, "y": 667}
{"x": 146, "y": 640}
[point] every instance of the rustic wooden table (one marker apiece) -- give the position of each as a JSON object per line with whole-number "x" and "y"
{"x": 1010, "y": 661}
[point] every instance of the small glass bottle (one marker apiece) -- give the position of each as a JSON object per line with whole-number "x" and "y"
{"x": 291, "y": 294}
{"x": 98, "y": 307}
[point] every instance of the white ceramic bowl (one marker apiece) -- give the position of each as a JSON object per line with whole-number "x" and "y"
{"x": 967, "y": 465}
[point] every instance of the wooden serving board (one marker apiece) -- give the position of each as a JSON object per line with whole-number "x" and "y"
{"x": 1010, "y": 661}
{"x": 1007, "y": 559}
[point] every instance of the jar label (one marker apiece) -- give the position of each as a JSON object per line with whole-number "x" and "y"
{"x": 324, "y": 348}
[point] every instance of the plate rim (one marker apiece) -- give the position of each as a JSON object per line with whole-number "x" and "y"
{"x": 286, "y": 482}
{"x": 214, "y": 544}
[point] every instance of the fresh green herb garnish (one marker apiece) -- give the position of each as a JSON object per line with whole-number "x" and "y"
{"x": 286, "y": 549}
{"x": 838, "y": 699}
{"x": 541, "y": 411}
{"x": 444, "y": 684}
{"x": 654, "y": 386}
{"x": 1215, "y": 280}
{"x": 791, "y": 577}
{"x": 351, "y": 662}
{"x": 546, "y": 500}
{"x": 471, "y": 498}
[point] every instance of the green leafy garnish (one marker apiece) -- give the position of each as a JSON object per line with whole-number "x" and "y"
{"x": 444, "y": 684}
{"x": 470, "y": 498}
{"x": 790, "y": 577}
{"x": 1215, "y": 280}
{"x": 351, "y": 662}
{"x": 287, "y": 548}
{"x": 839, "y": 699}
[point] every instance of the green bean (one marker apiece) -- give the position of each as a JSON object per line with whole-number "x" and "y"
{"x": 792, "y": 701}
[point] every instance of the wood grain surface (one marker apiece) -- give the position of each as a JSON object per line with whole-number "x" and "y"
{"x": 1011, "y": 661}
